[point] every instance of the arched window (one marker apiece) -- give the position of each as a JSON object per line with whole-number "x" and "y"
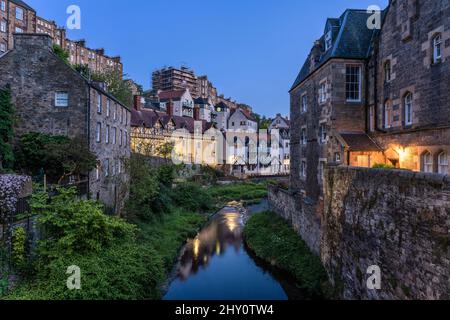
{"x": 443, "y": 163}
{"x": 408, "y": 102}
{"x": 437, "y": 48}
{"x": 387, "y": 71}
{"x": 427, "y": 159}
{"x": 387, "y": 114}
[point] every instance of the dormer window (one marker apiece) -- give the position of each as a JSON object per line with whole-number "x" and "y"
{"x": 328, "y": 40}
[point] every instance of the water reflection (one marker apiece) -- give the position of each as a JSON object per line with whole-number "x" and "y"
{"x": 223, "y": 232}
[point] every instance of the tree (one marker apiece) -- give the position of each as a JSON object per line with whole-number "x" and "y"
{"x": 83, "y": 69}
{"x": 7, "y": 116}
{"x": 165, "y": 150}
{"x": 118, "y": 87}
{"x": 59, "y": 156}
{"x": 61, "y": 53}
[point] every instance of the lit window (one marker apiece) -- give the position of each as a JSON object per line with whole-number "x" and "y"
{"x": 61, "y": 99}
{"x": 323, "y": 133}
{"x": 97, "y": 172}
{"x": 408, "y": 109}
{"x": 353, "y": 83}
{"x": 304, "y": 103}
{"x": 427, "y": 162}
{"x": 19, "y": 13}
{"x": 437, "y": 48}
{"x": 387, "y": 71}
{"x": 3, "y": 26}
{"x": 443, "y": 163}
{"x": 98, "y": 132}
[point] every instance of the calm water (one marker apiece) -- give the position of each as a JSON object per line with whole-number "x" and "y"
{"x": 217, "y": 266}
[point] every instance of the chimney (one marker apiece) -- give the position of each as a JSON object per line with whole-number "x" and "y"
{"x": 138, "y": 102}
{"x": 32, "y": 42}
{"x": 170, "y": 108}
{"x": 197, "y": 114}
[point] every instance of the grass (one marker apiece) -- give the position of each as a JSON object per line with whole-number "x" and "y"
{"x": 131, "y": 270}
{"x": 247, "y": 192}
{"x": 273, "y": 240}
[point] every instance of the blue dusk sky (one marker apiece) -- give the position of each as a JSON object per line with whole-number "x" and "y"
{"x": 251, "y": 50}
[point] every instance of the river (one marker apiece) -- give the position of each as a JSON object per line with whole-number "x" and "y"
{"x": 216, "y": 265}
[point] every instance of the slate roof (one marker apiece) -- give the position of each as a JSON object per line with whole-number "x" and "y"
{"x": 201, "y": 100}
{"x": 171, "y": 95}
{"x": 149, "y": 118}
{"x": 359, "y": 142}
{"x": 222, "y": 105}
{"x": 247, "y": 115}
{"x": 23, "y": 4}
{"x": 351, "y": 40}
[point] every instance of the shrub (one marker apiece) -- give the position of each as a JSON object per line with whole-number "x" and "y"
{"x": 191, "y": 196}
{"x": 383, "y": 166}
{"x": 19, "y": 248}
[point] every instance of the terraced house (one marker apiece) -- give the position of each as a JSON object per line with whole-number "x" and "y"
{"x": 68, "y": 104}
{"x": 368, "y": 96}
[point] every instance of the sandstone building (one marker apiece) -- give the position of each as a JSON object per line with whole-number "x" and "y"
{"x": 52, "y": 98}
{"x": 366, "y": 97}
{"x": 18, "y": 17}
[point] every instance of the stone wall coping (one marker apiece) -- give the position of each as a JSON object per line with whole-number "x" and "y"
{"x": 405, "y": 174}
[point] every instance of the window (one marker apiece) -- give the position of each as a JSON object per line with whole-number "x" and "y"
{"x": 387, "y": 71}
{"x": 108, "y": 107}
{"x": 323, "y": 133}
{"x": 106, "y": 167}
{"x": 120, "y": 137}
{"x": 387, "y": 115}
{"x": 323, "y": 92}
{"x": 321, "y": 170}
{"x": 303, "y": 169}
{"x": 97, "y": 172}
{"x": 61, "y": 99}
{"x": 125, "y": 139}
{"x": 443, "y": 163}
{"x": 2, "y": 47}
{"x": 353, "y": 83}
{"x": 99, "y": 103}
{"x": 437, "y": 48}
{"x": 98, "y": 132}
{"x": 19, "y": 30}
{"x": 337, "y": 157}
{"x": 115, "y": 113}
{"x": 3, "y": 26}
{"x": 19, "y": 13}
{"x": 113, "y": 167}
{"x": 304, "y": 103}
{"x": 408, "y": 109}
{"x": 107, "y": 135}
{"x": 303, "y": 138}
{"x": 427, "y": 162}
{"x": 3, "y": 5}
{"x": 328, "y": 40}
{"x": 114, "y": 137}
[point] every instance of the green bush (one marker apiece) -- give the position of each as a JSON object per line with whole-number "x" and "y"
{"x": 273, "y": 240}
{"x": 383, "y": 166}
{"x": 191, "y": 196}
{"x": 237, "y": 192}
{"x": 71, "y": 225}
{"x": 19, "y": 248}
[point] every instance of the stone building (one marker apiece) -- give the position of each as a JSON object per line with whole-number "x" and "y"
{"x": 49, "y": 27}
{"x": 366, "y": 97}
{"x": 15, "y": 17}
{"x": 52, "y": 98}
{"x": 281, "y": 163}
{"x": 173, "y": 79}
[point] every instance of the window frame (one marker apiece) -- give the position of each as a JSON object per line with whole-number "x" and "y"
{"x": 304, "y": 102}
{"x": 3, "y": 5}
{"x": 428, "y": 162}
{"x": 387, "y": 71}
{"x": 21, "y": 16}
{"x": 442, "y": 164}
{"x": 437, "y": 49}
{"x": 349, "y": 83}
{"x": 323, "y": 132}
{"x": 303, "y": 136}
{"x": 58, "y": 99}
{"x": 387, "y": 114}
{"x": 3, "y": 26}
{"x": 99, "y": 103}
{"x": 323, "y": 92}
{"x": 408, "y": 104}
{"x": 98, "y": 132}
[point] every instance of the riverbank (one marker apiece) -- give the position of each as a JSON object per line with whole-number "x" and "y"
{"x": 274, "y": 241}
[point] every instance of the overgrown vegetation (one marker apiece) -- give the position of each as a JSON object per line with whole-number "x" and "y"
{"x": 58, "y": 156}
{"x": 61, "y": 53}
{"x": 273, "y": 240}
{"x": 247, "y": 192}
{"x": 383, "y": 166}
{"x": 118, "y": 87}
{"x": 7, "y": 118}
